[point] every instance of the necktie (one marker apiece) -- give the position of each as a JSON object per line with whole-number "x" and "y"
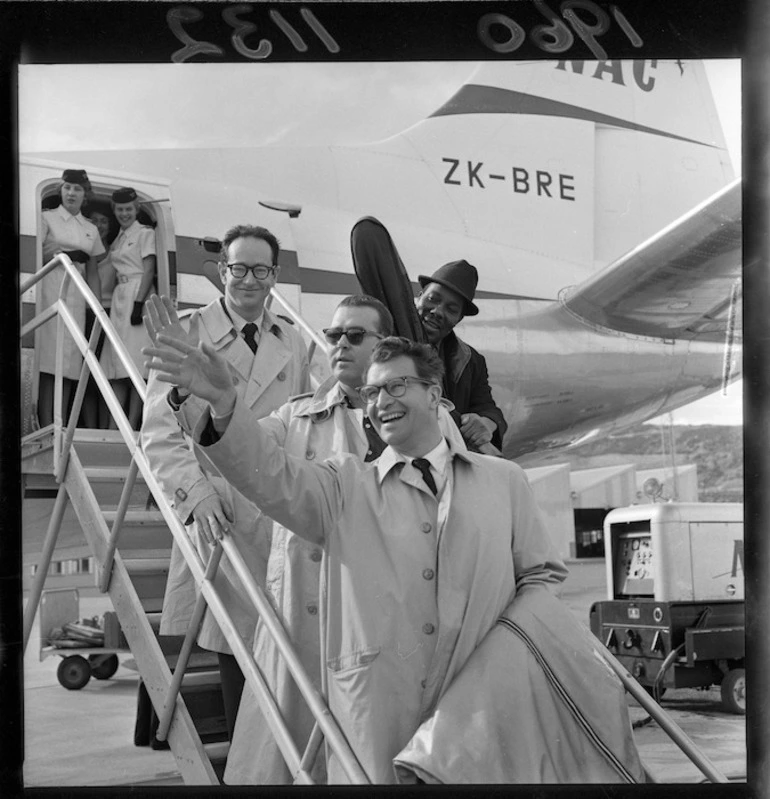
{"x": 249, "y": 332}
{"x": 423, "y": 464}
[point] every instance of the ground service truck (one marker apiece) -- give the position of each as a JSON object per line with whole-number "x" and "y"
{"x": 674, "y": 614}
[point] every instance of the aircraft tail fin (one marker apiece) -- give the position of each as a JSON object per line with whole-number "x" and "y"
{"x": 619, "y": 149}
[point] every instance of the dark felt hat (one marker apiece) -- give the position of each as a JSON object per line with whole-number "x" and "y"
{"x": 77, "y": 176}
{"x": 459, "y": 276}
{"x": 124, "y": 195}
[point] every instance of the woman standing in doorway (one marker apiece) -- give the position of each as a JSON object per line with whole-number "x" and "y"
{"x": 64, "y": 229}
{"x": 132, "y": 256}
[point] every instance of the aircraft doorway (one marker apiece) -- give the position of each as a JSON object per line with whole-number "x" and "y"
{"x": 40, "y": 190}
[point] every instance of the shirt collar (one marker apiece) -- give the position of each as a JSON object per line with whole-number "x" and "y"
{"x": 65, "y": 215}
{"x": 238, "y": 321}
{"x": 447, "y": 449}
{"x": 327, "y": 396}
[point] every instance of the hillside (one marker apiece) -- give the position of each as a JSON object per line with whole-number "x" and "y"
{"x": 717, "y": 451}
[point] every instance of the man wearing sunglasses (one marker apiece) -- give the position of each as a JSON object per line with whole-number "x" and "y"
{"x": 270, "y": 364}
{"x": 312, "y": 426}
{"x": 426, "y": 546}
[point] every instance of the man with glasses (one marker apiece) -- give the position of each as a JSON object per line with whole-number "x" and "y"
{"x": 332, "y": 420}
{"x": 426, "y": 546}
{"x": 269, "y": 363}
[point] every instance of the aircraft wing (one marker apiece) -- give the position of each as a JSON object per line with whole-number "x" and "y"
{"x": 683, "y": 283}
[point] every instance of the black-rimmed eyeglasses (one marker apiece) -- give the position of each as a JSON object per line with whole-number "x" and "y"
{"x": 260, "y": 271}
{"x": 355, "y": 335}
{"x": 396, "y": 387}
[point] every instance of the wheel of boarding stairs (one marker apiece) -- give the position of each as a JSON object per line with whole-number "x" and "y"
{"x": 73, "y": 672}
{"x": 103, "y": 666}
{"x": 733, "y": 689}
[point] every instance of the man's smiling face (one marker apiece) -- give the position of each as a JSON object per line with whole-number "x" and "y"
{"x": 407, "y": 423}
{"x": 440, "y": 309}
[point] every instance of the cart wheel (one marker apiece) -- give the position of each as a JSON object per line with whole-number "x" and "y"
{"x": 734, "y": 691}
{"x": 103, "y": 666}
{"x": 74, "y": 672}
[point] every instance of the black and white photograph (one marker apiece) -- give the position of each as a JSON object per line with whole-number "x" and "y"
{"x": 382, "y": 419}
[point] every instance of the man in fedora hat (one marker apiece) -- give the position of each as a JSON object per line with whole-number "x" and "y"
{"x": 447, "y": 297}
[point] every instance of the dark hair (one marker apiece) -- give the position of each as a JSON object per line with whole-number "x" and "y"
{"x": 365, "y": 301}
{"x": 250, "y": 231}
{"x": 426, "y": 360}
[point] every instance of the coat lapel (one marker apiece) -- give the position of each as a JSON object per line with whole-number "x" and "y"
{"x": 269, "y": 363}
{"x": 223, "y": 339}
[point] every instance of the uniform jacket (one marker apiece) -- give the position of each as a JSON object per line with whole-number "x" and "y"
{"x": 407, "y": 603}
{"x": 265, "y": 381}
{"x": 312, "y": 427}
{"x": 466, "y": 384}
{"x": 535, "y": 703}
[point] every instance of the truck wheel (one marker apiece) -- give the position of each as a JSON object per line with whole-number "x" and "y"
{"x": 103, "y": 667}
{"x": 734, "y": 691}
{"x": 73, "y": 672}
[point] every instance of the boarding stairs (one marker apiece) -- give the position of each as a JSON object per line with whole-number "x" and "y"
{"x": 129, "y": 526}
{"x": 105, "y": 478}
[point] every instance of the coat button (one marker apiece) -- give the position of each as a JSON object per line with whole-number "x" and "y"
{"x": 426, "y": 527}
{"x": 180, "y": 494}
{"x": 282, "y": 376}
{"x": 428, "y": 629}
{"x": 315, "y": 555}
{"x": 312, "y": 609}
{"x": 310, "y": 454}
{"x": 428, "y": 574}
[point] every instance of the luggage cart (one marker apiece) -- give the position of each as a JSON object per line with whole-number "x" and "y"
{"x": 79, "y": 661}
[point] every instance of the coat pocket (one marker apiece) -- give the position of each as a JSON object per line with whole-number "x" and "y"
{"x": 352, "y": 661}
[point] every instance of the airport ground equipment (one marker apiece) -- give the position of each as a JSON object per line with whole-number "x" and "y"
{"x": 674, "y": 616}
{"x": 79, "y": 660}
{"x": 106, "y": 479}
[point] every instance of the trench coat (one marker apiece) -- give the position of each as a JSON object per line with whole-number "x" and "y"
{"x": 535, "y": 703}
{"x": 312, "y": 427}
{"x": 265, "y": 381}
{"x": 408, "y": 599}
{"x": 63, "y": 231}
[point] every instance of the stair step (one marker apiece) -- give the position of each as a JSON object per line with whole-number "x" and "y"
{"x": 154, "y": 619}
{"x": 201, "y": 679}
{"x": 218, "y": 751}
{"x": 136, "y": 517}
{"x": 110, "y": 474}
{"x": 101, "y": 448}
{"x": 108, "y": 482}
{"x": 141, "y": 529}
{"x": 136, "y": 566}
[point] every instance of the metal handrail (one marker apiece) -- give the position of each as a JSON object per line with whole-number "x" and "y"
{"x": 667, "y": 724}
{"x": 294, "y": 315}
{"x": 200, "y": 572}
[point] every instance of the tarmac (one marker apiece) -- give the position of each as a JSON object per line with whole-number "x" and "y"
{"x": 85, "y": 737}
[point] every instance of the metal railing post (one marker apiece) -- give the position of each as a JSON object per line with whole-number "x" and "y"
{"x": 49, "y": 545}
{"x": 117, "y": 526}
{"x": 667, "y": 724}
{"x": 169, "y": 705}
